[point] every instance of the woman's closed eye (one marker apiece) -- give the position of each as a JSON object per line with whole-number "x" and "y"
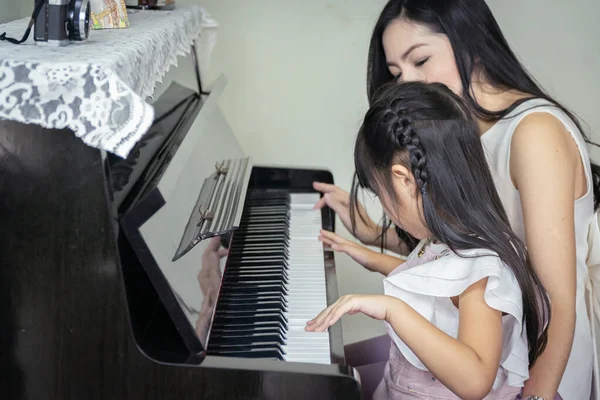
{"x": 417, "y": 64}
{"x": 421, "y": 62}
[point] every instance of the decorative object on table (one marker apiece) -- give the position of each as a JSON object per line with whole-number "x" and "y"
{"x": 109, "y": 14}
{"x": 151, "y": 4}
{"x": 54, "y": 16}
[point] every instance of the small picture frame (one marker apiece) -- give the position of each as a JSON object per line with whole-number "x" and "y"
{"x": 109, "y": 14}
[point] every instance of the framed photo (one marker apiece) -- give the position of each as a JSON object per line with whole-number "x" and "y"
{"x": 109, "y": 14}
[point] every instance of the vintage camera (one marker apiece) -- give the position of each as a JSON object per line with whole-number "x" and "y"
{"x": 60, "y": 22}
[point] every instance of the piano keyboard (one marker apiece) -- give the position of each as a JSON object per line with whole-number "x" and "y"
{"x": 274, "y": 282}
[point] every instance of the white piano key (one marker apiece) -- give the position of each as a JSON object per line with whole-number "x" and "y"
{"x": 306, "y": 290}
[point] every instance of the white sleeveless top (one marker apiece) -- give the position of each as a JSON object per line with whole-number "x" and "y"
{"x": 576, "y": 383}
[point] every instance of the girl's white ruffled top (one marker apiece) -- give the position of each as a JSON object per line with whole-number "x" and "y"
{"x": 428, "y": 287}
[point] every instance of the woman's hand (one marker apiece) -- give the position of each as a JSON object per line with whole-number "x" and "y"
{"x": 339, "y": 201}
{"x": 367, "y": 231}
{"x": 374, "y": 306}
{"x": 369, "y": 259}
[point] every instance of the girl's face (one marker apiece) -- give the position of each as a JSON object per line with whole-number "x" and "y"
{"x": 414, "y": 53}
{"x": 405, "y": 210}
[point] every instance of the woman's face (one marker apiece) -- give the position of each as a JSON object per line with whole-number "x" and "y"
{"x": 414, "y": 53}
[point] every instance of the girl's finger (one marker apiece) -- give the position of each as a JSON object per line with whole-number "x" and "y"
{"x": 325, "y": 240}
{"x": 324, "y": 187}
{"x": 316, "y": 322}
{"x": 332, "y": 236}
{"x": 321, "y": 203}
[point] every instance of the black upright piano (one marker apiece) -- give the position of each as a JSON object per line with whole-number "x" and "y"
{"x": 185, "y": 271}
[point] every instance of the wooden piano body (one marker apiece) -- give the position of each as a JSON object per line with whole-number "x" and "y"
{"x": 80, "y": 317}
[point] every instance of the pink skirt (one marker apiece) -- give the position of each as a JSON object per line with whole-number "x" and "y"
{"x": 403, "y": 381}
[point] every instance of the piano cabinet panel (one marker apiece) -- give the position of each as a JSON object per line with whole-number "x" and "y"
{"x": 65, "y": 327}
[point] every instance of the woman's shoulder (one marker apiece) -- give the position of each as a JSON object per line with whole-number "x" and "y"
{"x": 541, "y": 116}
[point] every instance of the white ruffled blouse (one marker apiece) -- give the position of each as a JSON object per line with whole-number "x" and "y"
{"x": 428, "y": 287}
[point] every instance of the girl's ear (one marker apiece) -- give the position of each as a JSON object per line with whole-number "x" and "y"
{"x": 403, "y": 179}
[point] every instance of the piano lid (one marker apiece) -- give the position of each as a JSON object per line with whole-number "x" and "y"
{"x": 156, "y": 224}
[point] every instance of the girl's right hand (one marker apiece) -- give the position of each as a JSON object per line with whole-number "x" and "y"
{"x": 371, "y": 260}
{"x": 339, "y": 201}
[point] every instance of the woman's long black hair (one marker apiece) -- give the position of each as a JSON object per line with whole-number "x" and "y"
{"x": 431, "y": 131}
{"x": 477, "y": 41}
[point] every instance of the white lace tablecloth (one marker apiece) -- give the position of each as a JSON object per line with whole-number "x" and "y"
{"x": 98, "y": 87}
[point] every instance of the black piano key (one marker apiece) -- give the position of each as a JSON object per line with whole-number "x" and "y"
{"x": 267, "y": 238}
{"x": 246, "y": 318}
{"x": 280, "y": 226}
{"x": 247, "y": 307}
{"x": 228, "y": 298}
{"x": 247, "y": 339}
{"x": 257, "y": 263}
{"x": 224, "y": 330}
{"x": 224, "y": 326}
{"x": 252, "y": 233}
{"x": 260, "y": 353}
{"x": 249, "y": 279}
{"x": 255, "y": 287}
{"x": 256, "y": 271}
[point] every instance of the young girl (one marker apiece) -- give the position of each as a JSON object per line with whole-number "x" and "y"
{"x": 466, "y": 313}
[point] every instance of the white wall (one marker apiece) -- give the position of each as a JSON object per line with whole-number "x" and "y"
{"x": 558, "y": 43}
{"x": 297, "y": 71}
{"x": 11, "y": 9}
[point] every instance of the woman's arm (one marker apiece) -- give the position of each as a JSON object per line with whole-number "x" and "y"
{"x": 544, "y": 164}
{"x": 467, "y": 365}
{"x": 367, "y": 231}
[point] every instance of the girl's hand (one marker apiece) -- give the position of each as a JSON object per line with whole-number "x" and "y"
{"x": 360, "y": 254}
{"x": 339, "y": 201}
{"x": 371, "y": 260}
{"x": 374, "y": 306}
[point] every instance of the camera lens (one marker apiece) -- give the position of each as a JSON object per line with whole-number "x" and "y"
{"x": 80, "y": 19}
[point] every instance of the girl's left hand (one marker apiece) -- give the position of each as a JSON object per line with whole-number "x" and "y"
{"x": 374, "y": 306}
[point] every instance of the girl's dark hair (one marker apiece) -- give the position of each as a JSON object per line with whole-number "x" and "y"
{"x": 477, "y": 41}
{"x": 431, "y": 131}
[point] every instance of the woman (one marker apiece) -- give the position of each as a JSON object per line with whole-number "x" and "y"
{"x": 536, "y": 152}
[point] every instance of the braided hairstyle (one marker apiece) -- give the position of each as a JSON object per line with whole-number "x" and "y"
{"x": 405, "y": 137}
{"x": 428, "y": 129}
